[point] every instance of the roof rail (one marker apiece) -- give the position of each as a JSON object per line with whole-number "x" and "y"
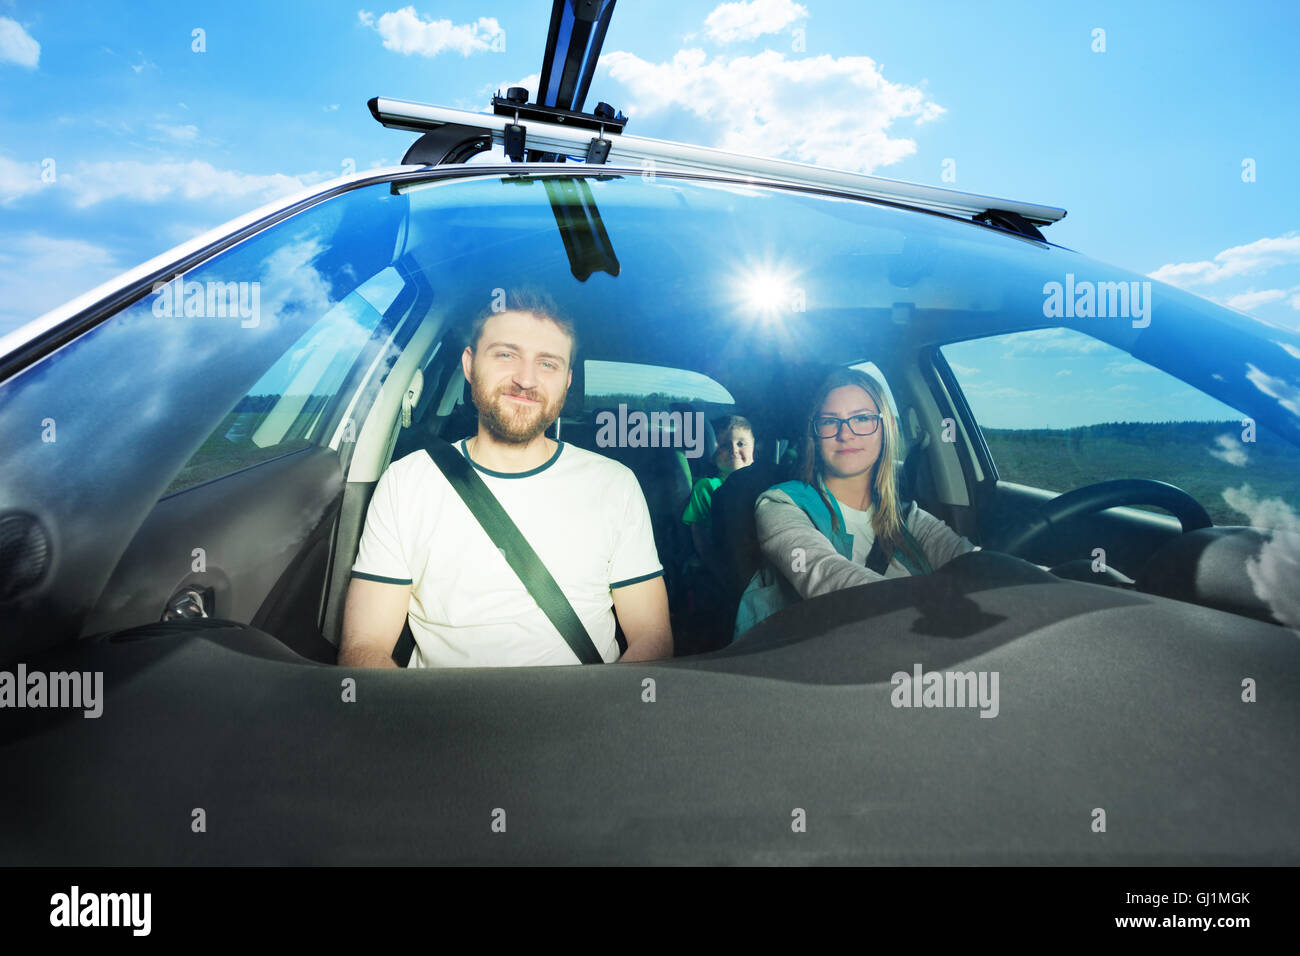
{"x": 620, "y": 148}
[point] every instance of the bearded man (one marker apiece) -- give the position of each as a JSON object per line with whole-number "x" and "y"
{"x": 423, "y": 557}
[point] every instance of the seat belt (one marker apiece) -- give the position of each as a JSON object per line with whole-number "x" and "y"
{"x": 519, "y": 554}
{"x": 878, "y": 560}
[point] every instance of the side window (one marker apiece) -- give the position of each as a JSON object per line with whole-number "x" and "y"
{"x": 287, "y": 409}
{"x": 1059, "y": 410}
{"x": 620, "y": 396}
{"x": 651, "y": 388}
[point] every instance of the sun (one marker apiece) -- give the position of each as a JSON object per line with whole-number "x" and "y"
{"x": 767, "y": 292}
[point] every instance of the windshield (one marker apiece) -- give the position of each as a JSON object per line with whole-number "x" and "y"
{"x": 715, "y": 279}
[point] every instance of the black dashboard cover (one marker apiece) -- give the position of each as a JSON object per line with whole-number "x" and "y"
{"x": 1107, "y": 700}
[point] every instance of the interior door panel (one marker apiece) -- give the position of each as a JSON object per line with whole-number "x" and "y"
{"x": 238, "y": 535}
{"x": 1127, "y": 535}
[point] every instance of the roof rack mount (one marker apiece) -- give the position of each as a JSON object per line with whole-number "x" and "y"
{"x": 637, "y": 151}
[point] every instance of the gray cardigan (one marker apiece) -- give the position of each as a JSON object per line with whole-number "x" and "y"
{"x": 810, "y": 562}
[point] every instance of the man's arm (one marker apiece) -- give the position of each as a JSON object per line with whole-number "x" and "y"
{"x": 642, "y": 610}
{"x": 372, "y": 622}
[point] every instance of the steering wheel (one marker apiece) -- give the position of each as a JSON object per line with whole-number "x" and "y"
{"x": 1098, "y": 497}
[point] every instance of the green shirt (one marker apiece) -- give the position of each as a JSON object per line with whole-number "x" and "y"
{"x": 697, "y": 509}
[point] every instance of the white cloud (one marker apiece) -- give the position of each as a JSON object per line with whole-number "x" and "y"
{"x": 1286, "y": 393}
{"x": 1274, "y": 571}
{"x": 1245, "y": 301}
{"x": 17, "y": 45}
{"x": 1127, "y": 368}
{"x": 824, "y": 110}
{"x": 92, "y": 183}
{"x": 531, "y": 82}
{"x": 987, "y": 390}
{"x": 40, "y": 272}
{"x": 293, "y": 284}
{"x": 1253, "y": 257}
{"x": 176, "y": 134}
{"x": 18, "y": 179}
{"x": 1056, "y": 341}
{"x": 1229, "y": 449}
{"x": 405, "y": 32}
{"x": 746, "y": 20}
{"x": 962, "y": 369}
{"x": 1064, "y": 371}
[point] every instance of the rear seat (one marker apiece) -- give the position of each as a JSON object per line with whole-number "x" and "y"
{"x": 666, "y": 487}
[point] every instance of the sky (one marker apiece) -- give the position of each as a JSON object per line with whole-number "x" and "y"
{"x": 1167, "y": 129}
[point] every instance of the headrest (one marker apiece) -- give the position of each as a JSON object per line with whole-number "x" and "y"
{"x": 735, "y": 539}
{"x": 575, "y": 400}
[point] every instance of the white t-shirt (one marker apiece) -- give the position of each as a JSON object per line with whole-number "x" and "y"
{"x": 582, "y": 513}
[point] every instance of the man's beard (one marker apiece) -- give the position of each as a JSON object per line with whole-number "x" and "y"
{"x": 508, "y": 421}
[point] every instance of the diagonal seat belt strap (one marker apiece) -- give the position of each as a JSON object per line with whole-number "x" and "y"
{"x": 519, "y": 554}
{"x": 878, "y": 559}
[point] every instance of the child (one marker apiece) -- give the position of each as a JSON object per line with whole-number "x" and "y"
{"x": 735, "y": 450}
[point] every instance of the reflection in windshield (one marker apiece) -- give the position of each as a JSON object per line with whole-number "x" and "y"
{"x": 585, "y": 240}
{"x": 736, "y": 282}
{"x": 768, "y": 291}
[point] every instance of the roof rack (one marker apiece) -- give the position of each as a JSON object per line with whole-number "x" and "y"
{"x": 480, "y": 130}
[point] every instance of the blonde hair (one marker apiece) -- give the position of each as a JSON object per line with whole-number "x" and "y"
{"x": 887, "y": 519}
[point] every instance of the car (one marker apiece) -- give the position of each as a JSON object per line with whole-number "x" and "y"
{"x": 190, "y": 450}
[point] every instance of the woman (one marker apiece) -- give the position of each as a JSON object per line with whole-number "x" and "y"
{"x": 841, "y": 524}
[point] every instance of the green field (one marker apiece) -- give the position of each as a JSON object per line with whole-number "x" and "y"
{"x": 230, "y": 447}
{"x": 1176, "y": 452}
{"x": 1053, "y": 459}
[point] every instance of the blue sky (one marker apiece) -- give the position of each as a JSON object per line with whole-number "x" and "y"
{"x": 151, "y": 142}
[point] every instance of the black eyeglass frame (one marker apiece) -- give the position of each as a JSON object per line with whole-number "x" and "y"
{"x": 875, "y": 417}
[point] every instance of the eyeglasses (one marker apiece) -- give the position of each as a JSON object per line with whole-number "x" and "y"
{"x": 828, "y": 426}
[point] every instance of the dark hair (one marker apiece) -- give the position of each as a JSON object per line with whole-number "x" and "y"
{"x": 536, "y": 302}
